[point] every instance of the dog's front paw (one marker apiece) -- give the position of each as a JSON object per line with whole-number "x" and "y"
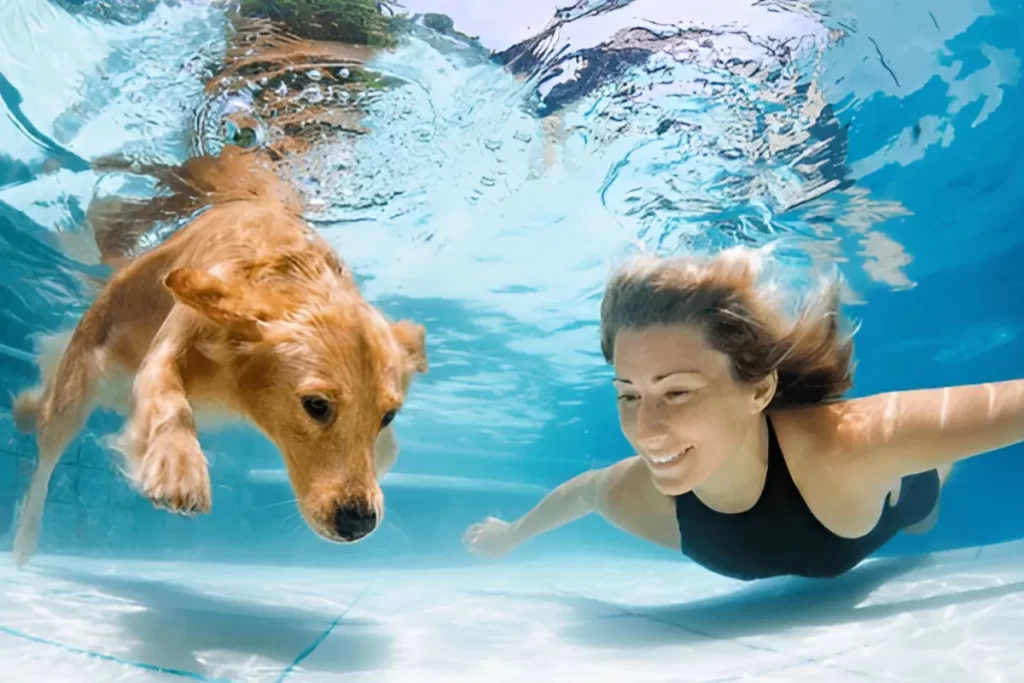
{"x": 174, "y": 474}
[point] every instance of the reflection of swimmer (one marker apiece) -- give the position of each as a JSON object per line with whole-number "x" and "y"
{"x": 779, "y": 121}
{"x": 591, "y": 69}
{"x": 749, "y": 460}
{"x": 567, "y": 76}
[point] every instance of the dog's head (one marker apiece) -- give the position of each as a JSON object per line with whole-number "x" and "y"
{"x": 319, "y": 370}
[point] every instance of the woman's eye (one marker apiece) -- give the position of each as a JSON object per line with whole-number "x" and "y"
{"x": 624, "y": 398}
{"x": 678, "y": 395}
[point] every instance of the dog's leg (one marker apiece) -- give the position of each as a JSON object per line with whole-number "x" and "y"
{"x": 59, "y": 411}
{"x": 169, "y": 466}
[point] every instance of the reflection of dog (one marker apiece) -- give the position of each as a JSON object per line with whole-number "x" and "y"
{"x": 244, "y": 311}
{"x": 296, "y": 100}
{"x": 286, "y": 93}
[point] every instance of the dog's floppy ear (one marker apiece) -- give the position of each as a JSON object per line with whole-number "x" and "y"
{"x": 412, "y": 336}
{"x": 223, "y": 303}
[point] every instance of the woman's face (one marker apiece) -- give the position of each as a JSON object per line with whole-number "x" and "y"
{"x": 679, "y": 405}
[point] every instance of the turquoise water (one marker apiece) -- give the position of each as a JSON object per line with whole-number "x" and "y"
{"x": 885, "y": 140}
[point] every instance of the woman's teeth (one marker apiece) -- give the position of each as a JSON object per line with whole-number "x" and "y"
{"x": 668, "y": 459}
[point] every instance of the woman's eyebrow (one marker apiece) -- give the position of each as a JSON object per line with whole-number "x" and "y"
{"x": 660, "y": 377}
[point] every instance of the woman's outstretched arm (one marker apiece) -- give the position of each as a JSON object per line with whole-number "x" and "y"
{"x": 623, "y": 494}
{"x": 913, "y": 431}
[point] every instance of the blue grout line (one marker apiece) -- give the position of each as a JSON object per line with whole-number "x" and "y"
{"x": 111, "y": 658}
{"x": 322, "y": 637}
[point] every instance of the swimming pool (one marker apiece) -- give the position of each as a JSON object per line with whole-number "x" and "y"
{"x": 497, "y": 180}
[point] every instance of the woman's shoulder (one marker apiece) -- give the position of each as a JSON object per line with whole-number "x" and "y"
{"x": 902, "y": 432}
{"x": 628, "y": 483}
{"x": 813, "y": 431}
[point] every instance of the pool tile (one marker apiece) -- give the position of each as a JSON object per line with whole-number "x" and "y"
{"x": 510, "y": 621}
{"x": 965, "y": 641}
{"x": 456, "y": 646}
{"x": 805, "y": 672}
{"x": 28, "y": 661}
{"x": 205, "y": 619}
{"x": 1013, "y": 550}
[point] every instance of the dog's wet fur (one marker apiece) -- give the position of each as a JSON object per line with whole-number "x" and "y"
{"x": 246, "y": 312}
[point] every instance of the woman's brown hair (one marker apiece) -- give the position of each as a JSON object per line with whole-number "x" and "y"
{"x": 740, "y": 318}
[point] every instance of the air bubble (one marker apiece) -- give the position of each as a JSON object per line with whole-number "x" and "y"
{"x": 312, "y": 94}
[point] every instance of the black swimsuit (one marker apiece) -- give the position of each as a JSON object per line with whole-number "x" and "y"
{"x": 781, "y": 536}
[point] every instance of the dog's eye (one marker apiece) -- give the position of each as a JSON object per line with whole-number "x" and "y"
{"x": 388, "y": 418}
{"x": 318, "y": 408}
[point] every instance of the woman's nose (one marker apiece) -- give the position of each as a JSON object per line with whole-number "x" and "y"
{"x": 650, "y": 431}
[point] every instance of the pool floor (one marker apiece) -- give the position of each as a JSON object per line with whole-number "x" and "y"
{"x": 953, "y": 617}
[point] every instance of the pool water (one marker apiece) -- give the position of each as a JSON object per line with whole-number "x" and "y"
{"x": 509, "y": 159}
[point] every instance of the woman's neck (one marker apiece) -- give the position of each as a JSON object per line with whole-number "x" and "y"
{"x": 737, "y": 484}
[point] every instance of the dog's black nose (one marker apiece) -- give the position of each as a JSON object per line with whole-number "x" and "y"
{"x": 354, "y": 521}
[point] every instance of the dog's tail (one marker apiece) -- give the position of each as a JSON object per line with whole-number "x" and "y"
{"x": 233, "y": 175}
{"x": 201, "y": 182}
{"x": 49, "y": 350}
{"x": 25, "y": 409}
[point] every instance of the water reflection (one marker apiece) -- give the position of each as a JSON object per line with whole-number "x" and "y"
{"x": 499, "y": 159}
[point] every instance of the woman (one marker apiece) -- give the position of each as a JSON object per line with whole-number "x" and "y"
{"x": 748, "y": 458}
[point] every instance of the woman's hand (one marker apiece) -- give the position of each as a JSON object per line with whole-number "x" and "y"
{"x": 491, "y": 538}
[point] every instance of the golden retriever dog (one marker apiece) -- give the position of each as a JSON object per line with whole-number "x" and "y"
{"x": 245, "y": 312}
